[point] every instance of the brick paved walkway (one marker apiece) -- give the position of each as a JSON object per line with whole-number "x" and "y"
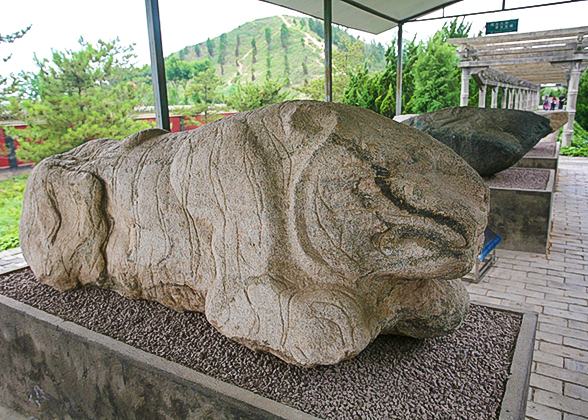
{"x": 554, "y": 286}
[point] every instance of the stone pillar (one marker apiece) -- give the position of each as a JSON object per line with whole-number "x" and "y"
{"x": 482, "y": 97}
{"x": 494, "y": 101}
{"x": 575, "y": 73}
{"x": 465, "y": 86}
{"x": 539, "y": 99}
{"x": 504, "y": 97}
{"x": 511, "y": 98}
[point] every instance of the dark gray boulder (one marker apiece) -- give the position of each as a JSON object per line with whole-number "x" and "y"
{"x": 490, "y": 140}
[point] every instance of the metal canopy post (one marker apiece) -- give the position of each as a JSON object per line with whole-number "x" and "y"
{"x": 399, "y": 73}
{"x": 157, "y": 65}
{"x": 328, "y": 11}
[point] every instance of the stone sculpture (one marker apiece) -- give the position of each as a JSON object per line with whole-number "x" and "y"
{"x": 490, "y": 140}
{"x": 304, "y": 228}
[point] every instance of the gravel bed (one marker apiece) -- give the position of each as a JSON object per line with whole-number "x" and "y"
{"x": 524, "y": 178}
{"x": 461, "y": 376}
{"x": 542, "y": 150}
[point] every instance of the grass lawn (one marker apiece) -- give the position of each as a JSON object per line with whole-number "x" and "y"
{"x": 11, "y": 192}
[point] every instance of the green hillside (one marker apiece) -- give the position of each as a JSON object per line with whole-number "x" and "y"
{"x": 295, "y": 51}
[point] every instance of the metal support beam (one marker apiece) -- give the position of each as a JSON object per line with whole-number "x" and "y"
{"x": 157, "y": 65}
{"x": 328, "y": 11}
{"x": 399, "y": 73}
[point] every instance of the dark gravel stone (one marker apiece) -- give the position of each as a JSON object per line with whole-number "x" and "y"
{"x": 522, "y": 178}
{"x": 461, "y": 376}
{"x": 490, "y": 140}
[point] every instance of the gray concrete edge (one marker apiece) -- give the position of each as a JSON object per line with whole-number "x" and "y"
{"x": 159, "y": 363}
{"x": 514, "y": 401}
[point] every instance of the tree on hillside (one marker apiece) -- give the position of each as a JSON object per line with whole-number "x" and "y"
{"x": 286, "y": 70}
{"x": 197, "y": 50}
{"x": 285, "y": 36}
{"x": 238, "y": 44}
{"x": 254, "y": 51}
{"x": 83, "y": 95}
{"x": 250, "y": 96}
{"x": 203, "y": 88}
{"x": 222, "y": 56}
{"x": 210, "y": 46}
{"x": 268, "y": 38}
{"x": 268, "y": 73}
{"x": 304, "y": 69}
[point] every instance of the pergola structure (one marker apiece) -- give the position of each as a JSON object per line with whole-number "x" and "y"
{"x": 373, "y": 16}
{"x": 519, "y": 63}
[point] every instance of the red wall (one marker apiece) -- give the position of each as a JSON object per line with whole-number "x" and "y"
{"x": 176, "y": 122}
{"x": 4, "y": 163}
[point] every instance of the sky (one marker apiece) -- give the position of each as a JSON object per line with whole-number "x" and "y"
{"x": 58, "y": 24}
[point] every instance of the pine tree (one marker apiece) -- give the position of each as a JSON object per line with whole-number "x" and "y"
{"x": 268, "y": 38}
{"x": 237, "y": 47}
{"x": 436, "y": 85}
{"x": 83, "y": 95}
{"x": 210, "y": 46}
{"x": 285, "y": 36}
{"x": 250, "y": 96}
{"x": 197, "y": 50}
{"x": 254, "y": 52}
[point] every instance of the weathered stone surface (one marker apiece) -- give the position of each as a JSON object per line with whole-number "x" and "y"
{"x": 557, "y": 119}
{"x": 490, "y": 140}
{"x": 304, "y": 228}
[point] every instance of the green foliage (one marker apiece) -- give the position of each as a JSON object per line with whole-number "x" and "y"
{"x": 582, "y": 102}
{"x": 436, "y": 81}
{"x": 378, "y": 91}
{"x": 304, "y": 68}
{"x": 82, "y": 95}
{"x": 247, "y": 60}
{"x": 348, "y": 59}
{"x": 210, "y": 46}
{"x": 9, "y": 242}
{"x": 197, "y": 50}
{"x": 203, "y": 89}
{"x": 253, "y": 51}
{"x": 238, "y": 45}
{"x": 178, "y": 74}
{"x": 579, "y": 145}
{"x": 5, "y": 87}
{"x": 268, "y": 38}
{"x": 285, "y": 36}
{"x": 250, "y": 96}
{"x": 11, "y": 193}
